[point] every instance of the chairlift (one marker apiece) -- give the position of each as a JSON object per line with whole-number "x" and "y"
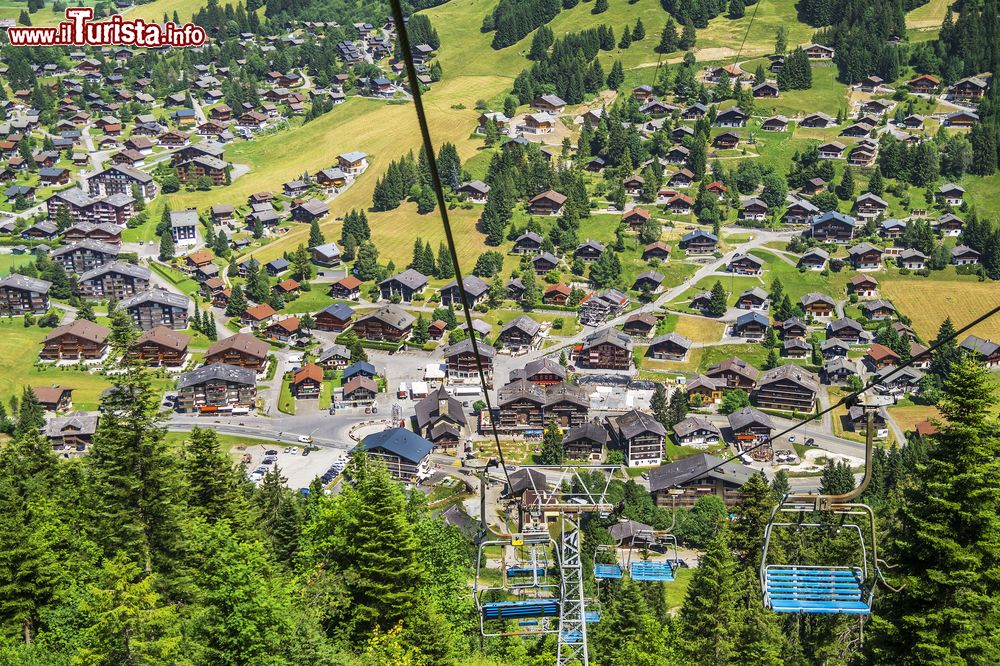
{"x": 844, "y": 589}
{"x": 649, "y": 571}
{"x": 523, "y": 593}
{"x": 603, "y": 570}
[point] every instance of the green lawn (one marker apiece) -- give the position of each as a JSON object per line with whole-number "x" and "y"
{"x": 286, "y": 402}
{"x": 177, "y": 278}
{"x": 309, "y": 301}
{"x": 9, "y": 262}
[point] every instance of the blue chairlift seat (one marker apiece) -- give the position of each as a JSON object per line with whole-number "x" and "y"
{"x": 826, "y": 590}
{"x": 652, "y": 571}
{"x": 524, "y": 572}
{"x": 591, "y": 616}
{"x": 572, "y": 637}
{"x": 607, "y": 571}
{"x": 513, "y": 610}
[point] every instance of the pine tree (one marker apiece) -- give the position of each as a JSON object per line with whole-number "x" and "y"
{"x": 737, "y": 9}
{"x": 381, "y": 549}
{"x": 600, "y": 7}
{"x": 717, "y": 305}
{"x": 639, "y": 31}
{"x": 315, "y": 234}
{"x": 237, "y": 303}
{"x": 213, "y": 485}
{"x": 420, "y": 331}
{"x": 781, "y": 40}
{"x": 845, "y": 189}
{"x": 552, "y": 445}
{"x": 668, "y": 38}
{"x": 30, "y": 415}
{"x": 688, "y": 36}
{"x": 875, "y": 184}
{"x": 708, "y": 615}
{"x": 943, "y": 547}
{"x": 366, "y": 265}
{"x": 626, "y": 39}
{"x": 167, "y": 249}
{"x": 660, "y": 406}
{"x": 944, "y": 358}
{"x": 617, "y": 75}
{"x": 445, "y": 267}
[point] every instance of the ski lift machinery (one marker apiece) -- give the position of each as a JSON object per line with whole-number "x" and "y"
{"x": 530, "y": 598}
{"x": 841, "y": 589}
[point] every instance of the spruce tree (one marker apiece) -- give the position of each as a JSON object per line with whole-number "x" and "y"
{"x": 660, "y": 405}
{"x": 639, "y": 31}
{"x": 617, "y": 75}
{"x": 845, "y": 189}
{"x": 600, "y": 7}
{"x": 315, "y": 234}
{"x": 875, "y": 184}
{"x": 213, "y": 485}
{"x": 552, "y": 445}
{"x": 30, "y": 415}
{"x": 688, "y": 36}
{"x": 167, "y": 249}
{"x": 737, "y": 9}
{"x": 668, "y": 38}
{"x": 237, "y": 303}
{"x": 709, "y": 615}
{"x": 945, "y": 548}
{"x": 717, "y": 305}
{"x": 445, "y": 267}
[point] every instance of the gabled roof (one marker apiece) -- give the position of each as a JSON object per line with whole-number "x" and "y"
{"x": 16, "y": 281}
{"x": 217, "y": 371}
{"x": 241, "y": 342}
{"x": 523, "y": 323}
{"x": 340, "y": 311}
{"x": 834, "y": 216}
{"x": 608, "y": 336}
{"x": 816, "y": 297}
{"x": 401, "y": 442}
{"x": 793, "y": 373}
{"x": 160, "y": 296}
{"x": 694, "y": 423}
{"x": 165, "y": 337}
{"x": 694, "y": 467}
{"x": 409, "y": 278}
{"x": 81, "y": 328}
{"x": 750, "y": 416}
{"x": 633, "y": 423}
{"x": 592, "y": 431}
{"x": 672, "y": 338}
{"x": 392, "y": 315}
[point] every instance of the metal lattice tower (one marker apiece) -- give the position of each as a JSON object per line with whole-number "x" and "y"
{"x": 573, "y": 611}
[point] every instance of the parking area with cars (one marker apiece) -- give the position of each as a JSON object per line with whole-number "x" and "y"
{"x": 297, "y": 464}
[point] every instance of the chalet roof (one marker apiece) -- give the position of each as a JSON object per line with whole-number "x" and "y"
{"x": 392, "y": 315}
{"x": 340, "y": 311}
{"x": 356, "y": 383}
{"x": 408, "y": 278}
{"x": 592, "y": 431}
{"x": 834, "y": 216}
{"x": 840, "y": 364}
{"x": 633, "y": 423}
{"x": 329, "y": 250}
{"x": 697, "y": 466}
{"x": 536, "y": 367}
{"x": 217, "y": 371}
{"x": 334, "y": 351}
{"x": 845, "y": 323}
{"x": 979, "y": 346}
{"x": 25, "y": 283}
{"x": 523, "y": 323}
{"x": 793, "y": 373}
{"x": 520, "y": 389}
{"x": 703, "y": 381}
{"x": 880, "y": 304}
{"x": 81, "y": 328}
{"x": 961, "y": 250}
{"x": 241, "y": 342}
{"x": 736, "y": 365}
{"x": 739, "y": 420}
{"x": 429, "y": 409}
{"x": 756, "y": 292}
{"x": 751, "y": 317}
{"x": 816, "y": 297}
{"x": 879, "y": 352}
{"x": 529, "y": 236}
{"x": 608, "y": 335}
{"x": 862, "y": 249}
{"x": 465, "y": 346}
{"x": 260, "y": 312}
{"x": 694, "y": 423}
{"x": 78, "y": 423}
{"x": 551, "y": 195}
{"x": 749, "y": 257}
{"x": 672, "y": 338}
{"x": 474, "y": 285}
{"x": 870, "y": 199}
{"x": 310, "y": 372}
{"x": 359, "y": 367}
{"x": 184, "y": 218}
{"x": 592, "y": 244}
{"x": 155, "y": 295}
{"x": 165, "y": 337}
{"x": 87, "y": 244}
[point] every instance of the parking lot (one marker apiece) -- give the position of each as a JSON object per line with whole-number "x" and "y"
{"x": 300, "y": 470}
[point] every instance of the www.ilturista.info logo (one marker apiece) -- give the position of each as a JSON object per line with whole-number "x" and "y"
{"x": 79, "y": 30}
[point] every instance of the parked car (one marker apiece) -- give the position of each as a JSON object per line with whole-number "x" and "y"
{"x": 305, "y": 439}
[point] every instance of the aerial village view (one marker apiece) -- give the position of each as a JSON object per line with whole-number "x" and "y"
{"x": 475, "y": 333}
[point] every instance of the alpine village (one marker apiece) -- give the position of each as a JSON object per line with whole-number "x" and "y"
{"x": 600, "y": 332}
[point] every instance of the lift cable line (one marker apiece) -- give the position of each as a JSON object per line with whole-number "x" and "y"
{"x": 847, "y": 398}
{"x": 418, "y": 103}
{"x": 746, "y": 34}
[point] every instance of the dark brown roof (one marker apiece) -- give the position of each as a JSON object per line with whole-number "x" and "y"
{"x": 241, "y": 342}
{"x": 165, "y": 337}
